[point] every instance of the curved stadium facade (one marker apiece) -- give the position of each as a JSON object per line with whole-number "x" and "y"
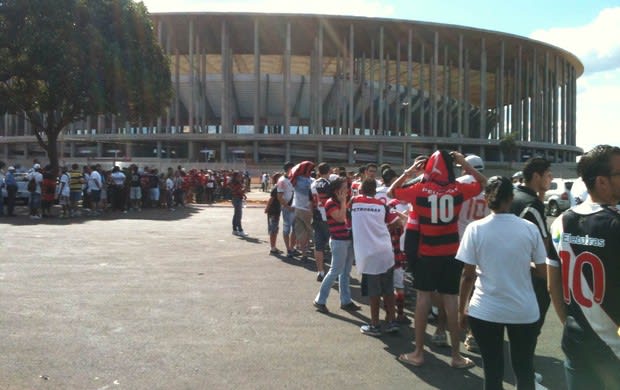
{"x": 268, "y": 88}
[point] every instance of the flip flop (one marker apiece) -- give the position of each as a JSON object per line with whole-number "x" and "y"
{"x": 468, "y": 363}
{"x": 403, "y": 359}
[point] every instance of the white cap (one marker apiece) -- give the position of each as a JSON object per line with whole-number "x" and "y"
{"x": 36, "y": 166}
{"x": 475, "y": 161}
{"x": 11, "y": 168}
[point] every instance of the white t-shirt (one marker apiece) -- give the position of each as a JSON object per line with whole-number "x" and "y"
{"x": 169, "y": 184}
{"x": 94, "y": 181}
{"x": 38, "y": 179}
{"x": 302, "y": 199}
{"x": 285, "y": 187}
{"x": 118, "y": 178}
{"x": 501, "y": 246}
{"x": 65, "y": 190}
{"x": 371, "y": 239}
{"x": 473, "y": 209}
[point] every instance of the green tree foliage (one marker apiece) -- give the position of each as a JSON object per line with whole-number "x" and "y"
{"x": 63, "y": 60}
{"x": 509, "y": 147}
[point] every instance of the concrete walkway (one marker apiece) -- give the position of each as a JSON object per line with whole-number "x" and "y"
{"x": 172, "y": 300}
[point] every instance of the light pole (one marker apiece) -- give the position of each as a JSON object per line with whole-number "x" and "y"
{"x": 115, "y": 151}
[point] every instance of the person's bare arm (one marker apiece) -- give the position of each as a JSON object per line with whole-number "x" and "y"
{"x": 554, "y": 285}
{"x": 340, "y": 214}
{"x": 468, "y": 277}
{"x": 416, "y": 168}
{"x": 460, "y": 159}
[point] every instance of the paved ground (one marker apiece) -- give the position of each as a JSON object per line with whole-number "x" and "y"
{"x": 171, "y": 300}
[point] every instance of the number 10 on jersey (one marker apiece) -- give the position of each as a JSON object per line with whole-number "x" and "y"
{"x": 442, "y": 208}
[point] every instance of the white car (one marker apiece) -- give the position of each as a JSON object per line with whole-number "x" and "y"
{"x": 579, "y": 192}
{"x": 22, "y": 195}
{"x": 559, "y": 198}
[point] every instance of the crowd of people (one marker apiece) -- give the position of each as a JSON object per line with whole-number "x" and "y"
{"x": 90, "y": 190}
{"x": 479, "y": 251}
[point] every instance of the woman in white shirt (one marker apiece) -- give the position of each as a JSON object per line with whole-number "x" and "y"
{"x": 498, "y": 251}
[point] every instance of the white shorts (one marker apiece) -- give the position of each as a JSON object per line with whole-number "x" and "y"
{"x": 399, "y": 278}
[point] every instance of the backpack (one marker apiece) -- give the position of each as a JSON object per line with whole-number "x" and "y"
{"x": 32, "y": 185}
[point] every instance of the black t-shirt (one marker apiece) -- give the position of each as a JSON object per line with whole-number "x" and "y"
{"x": 135, "y": 179}
{"x": 153, "y": 181}
{"x": 274, "y": 207}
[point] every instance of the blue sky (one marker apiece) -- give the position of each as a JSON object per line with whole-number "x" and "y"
{"x": 588, "y": 29}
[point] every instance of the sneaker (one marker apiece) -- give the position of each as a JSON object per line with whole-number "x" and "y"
{"x": 320, "y": 307}
{"x": 320, "y": 276}
{"x": 392, "y": 327}
{"x": 403, "y": 320}
{"x": 274, "y": 251}
{"x": 440, "y": 340}
{"x": 235, "y": 233}
{"x": 241, "y": 233}
{"x": 370, "y": 330}
{"x": 471, "y": 344}
{"x": 351, "y": 306}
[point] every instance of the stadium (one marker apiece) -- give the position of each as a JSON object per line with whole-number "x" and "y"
{"x": 266, "y": 88}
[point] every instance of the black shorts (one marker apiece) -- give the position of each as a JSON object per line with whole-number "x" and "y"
{"x": 412, "y": 243}
{"x": 378, "y": 285}
{"x": 441, "y": 274}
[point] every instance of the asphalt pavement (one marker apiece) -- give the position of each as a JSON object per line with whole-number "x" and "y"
{"x": 172, "y": 300}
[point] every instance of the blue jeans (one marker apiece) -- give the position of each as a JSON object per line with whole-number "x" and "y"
{"x": 35, "y": 203}
{"x": 288, "y": 220}
{"x": 342, "y": 262}
{"x": 238, "y": 207}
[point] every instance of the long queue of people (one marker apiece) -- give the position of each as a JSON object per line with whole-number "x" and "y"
{"x": 478, "y": 249}
{"x": 91, "y": 190}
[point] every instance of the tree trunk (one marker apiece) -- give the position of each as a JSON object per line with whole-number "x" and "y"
{"x": 52, "y": 150}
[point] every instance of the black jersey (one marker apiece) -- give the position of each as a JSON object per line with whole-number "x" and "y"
{"x": 587, "y": 239}
{"x": 527, "y": 206}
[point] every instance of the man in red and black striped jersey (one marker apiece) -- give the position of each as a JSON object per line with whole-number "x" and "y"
{"x": 584, "y": 285}
{"x": 437, "y": 200}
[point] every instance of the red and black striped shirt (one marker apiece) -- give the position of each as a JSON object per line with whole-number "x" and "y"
{"x": 438, "y": 207}
{"x": 337, "y": 230}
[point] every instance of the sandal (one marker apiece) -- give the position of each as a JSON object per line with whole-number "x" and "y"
{"x": 404, "y": 358}
{"x": 467, "y": 363}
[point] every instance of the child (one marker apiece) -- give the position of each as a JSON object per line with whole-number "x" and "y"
{"x": 273, "y": 215}
{"x": 400, "y": 261}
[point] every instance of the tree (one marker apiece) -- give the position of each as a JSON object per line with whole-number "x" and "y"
{"x": 508, "y": 146}
{"x": 63, "y": 60}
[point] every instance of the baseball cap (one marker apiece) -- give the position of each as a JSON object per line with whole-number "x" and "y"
{"x": 36, "y": 166}
{"x": 11, "y": 168}
{"x": 475, "y": 161}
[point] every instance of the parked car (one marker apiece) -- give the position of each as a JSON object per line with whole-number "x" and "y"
{"x": 579, "y": 192}
{"x": 23, "y": 196}
{"x": 559, "y": 197}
